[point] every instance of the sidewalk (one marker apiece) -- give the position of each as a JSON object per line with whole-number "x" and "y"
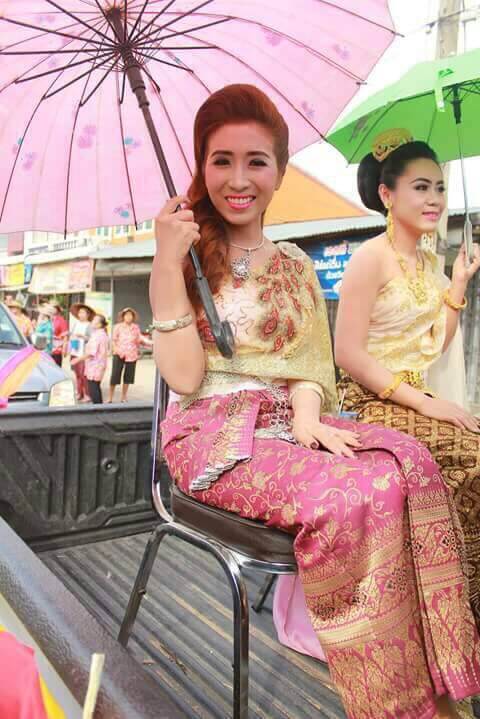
{"x": 141, "y": 391}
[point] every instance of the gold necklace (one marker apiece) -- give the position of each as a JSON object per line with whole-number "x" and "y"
{"x": 416, "y": 284}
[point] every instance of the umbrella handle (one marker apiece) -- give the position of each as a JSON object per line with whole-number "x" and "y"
{"x": 221, "y": 331}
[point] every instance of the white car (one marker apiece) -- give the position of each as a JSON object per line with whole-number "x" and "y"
{"x": 47, "y": 386}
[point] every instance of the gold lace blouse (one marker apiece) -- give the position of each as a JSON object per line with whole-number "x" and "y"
{"x": 280, "y": 324}
{"x": 403, "y": 334}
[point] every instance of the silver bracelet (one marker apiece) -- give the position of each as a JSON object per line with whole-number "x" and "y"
{"x": 171, "y": 325}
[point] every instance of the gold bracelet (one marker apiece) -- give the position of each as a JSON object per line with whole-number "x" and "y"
{"x": 312, "y": 386}
{"x": 388, "y": 391}
{"x": 454, "y": 305}
{"x": 172, "y": 325}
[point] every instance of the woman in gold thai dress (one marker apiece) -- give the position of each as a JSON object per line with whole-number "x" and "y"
{"x": 398, "y": 314}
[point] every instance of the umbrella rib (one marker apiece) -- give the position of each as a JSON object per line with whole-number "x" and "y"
{"x": 185, "y": 68}
{"x": 35, "y": 37}
{"x": 62, "y": 67}
{"x": 100, "y": 82}
{"x": 172, "y": 127}
{"x": 187, "y": 30}
{"x": 33, "y": 67}
{"x": 360, "y": 17}
{"x": 194, "y": 76}
{"x": 32, "y": 117}
{"x": 78, "y": 20}
{"x": 281, "y": 34}
{"x": 269, "y": 84}
{"x": 47, "y": 30}
{"x": 125, "y": 159}
{"x": 124, "y": 83}
{"x": 80, "y": 77}
{"x": 97, "y": 3}
{"x": 175, "y": 19}
{"x": 137, "y": 19}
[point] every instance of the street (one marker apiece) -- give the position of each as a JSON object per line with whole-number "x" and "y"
{"x": 141, "y": 391}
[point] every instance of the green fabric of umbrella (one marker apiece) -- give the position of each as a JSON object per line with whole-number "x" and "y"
{"x": 439, "y": 102}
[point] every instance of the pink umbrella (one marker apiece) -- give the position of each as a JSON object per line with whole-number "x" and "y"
{"x": 75, "y": 152}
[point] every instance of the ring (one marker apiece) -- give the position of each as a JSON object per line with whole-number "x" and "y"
{"x": 314, "y": 445}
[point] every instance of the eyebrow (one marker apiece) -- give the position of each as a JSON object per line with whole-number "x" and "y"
{"x": 228, "y": 152}
{"x": 429, "y": 182}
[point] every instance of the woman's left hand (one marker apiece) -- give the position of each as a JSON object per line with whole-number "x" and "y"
{"x": 312, "y": 433}
{"x": 461, "y": 274}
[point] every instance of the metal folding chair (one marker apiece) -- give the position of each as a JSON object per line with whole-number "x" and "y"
{"x": 235, "y": 543}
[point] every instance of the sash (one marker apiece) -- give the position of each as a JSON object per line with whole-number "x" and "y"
{"x": 16, "y": 371}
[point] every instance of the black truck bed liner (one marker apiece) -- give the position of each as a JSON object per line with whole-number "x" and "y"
{"x": 183, "y": 631}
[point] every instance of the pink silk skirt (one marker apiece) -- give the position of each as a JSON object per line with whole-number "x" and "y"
{"x": 377, "y": 543}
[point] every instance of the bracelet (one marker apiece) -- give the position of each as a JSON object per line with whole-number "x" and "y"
{"x": 312, "y": 386}
{"x": 388, "y": 391}
{"x": 454, "y": 305}
{"x": 171, "y": 325}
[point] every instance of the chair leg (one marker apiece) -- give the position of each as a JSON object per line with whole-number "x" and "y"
{"x": 140, "y": 586}
{"x": 239, "y": 594}
{"x": 240, "y": 642}
{"x": 263, "y": 592}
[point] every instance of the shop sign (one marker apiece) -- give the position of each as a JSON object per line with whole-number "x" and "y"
{"x": 12, "y": 275}
{"x": 330, "y": 261}
{"x": 62, "y": 277}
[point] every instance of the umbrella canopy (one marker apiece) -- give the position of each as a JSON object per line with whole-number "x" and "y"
{"x": 439, "y": 102}
{"x": 76, "y": 152}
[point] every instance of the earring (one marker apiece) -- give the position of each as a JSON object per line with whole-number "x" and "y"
{"x": 390, "y": 230}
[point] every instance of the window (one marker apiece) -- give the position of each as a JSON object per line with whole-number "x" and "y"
{"x": 147, "y": 225}
{"x": 103, "y": 231}
{"x": 3, "y": 242}
{"x": 121, "y": 229}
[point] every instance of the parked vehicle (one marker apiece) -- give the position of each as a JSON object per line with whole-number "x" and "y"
{"x": 47, "y": 385}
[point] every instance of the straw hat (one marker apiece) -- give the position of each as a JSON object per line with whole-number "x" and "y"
{"x": 123, "y": 312}
{"x": 74, "y": 310}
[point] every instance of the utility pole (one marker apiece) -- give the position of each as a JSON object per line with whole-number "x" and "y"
{"x": 448, "y": 27}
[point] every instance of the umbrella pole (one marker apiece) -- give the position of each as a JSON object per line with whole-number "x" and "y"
{"x": 467, "y": 227}
{"x": 221, "y": 330}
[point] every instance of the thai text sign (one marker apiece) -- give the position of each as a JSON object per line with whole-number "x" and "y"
{"x": 330, "y": 261}
{"x": 62, "y": 277}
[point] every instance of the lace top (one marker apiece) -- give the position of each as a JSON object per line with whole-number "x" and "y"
{"x": 279, "y": 320}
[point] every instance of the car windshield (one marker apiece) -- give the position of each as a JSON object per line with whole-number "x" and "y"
{"x": 10, "y": 336}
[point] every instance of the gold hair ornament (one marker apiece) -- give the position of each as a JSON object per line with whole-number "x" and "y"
{"x": 385, "y": 143}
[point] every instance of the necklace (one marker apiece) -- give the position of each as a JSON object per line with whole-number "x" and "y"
{"x": 416, "y": 284}
{"x": 241, "y": 266}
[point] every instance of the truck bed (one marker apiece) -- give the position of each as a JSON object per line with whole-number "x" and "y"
{"x": 183, "y": 633}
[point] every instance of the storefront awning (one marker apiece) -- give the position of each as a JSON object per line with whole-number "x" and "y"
{"x": 62, "y": 277}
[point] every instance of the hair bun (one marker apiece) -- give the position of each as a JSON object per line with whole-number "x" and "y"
{"x": 368, "y": 181}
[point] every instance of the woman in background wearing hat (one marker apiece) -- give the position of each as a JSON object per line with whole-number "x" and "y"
{"x": 79, "y": 335}
{"x": 22, "y": 319}
{"x": 126, "y": 341}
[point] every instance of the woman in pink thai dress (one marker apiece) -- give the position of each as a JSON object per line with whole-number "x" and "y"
{"x": 95, "y": 358}
{"x": 378, "y": 545}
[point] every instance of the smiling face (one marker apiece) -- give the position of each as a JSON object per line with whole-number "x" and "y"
{"x": 241, "y": 172}
{"x": 418, "y": 198}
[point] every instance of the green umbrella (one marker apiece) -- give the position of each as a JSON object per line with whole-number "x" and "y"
{"x": 439, "y": 102}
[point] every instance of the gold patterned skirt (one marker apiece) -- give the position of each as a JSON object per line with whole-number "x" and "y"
{"x": 457, "y": 452}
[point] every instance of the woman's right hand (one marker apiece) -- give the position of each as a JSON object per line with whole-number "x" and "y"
{"x": 175, "y": 232}
{"x": 447, "y": 412}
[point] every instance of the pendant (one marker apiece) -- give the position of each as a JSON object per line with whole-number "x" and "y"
{"x": 419, "y": 291}
{"x": 241, "y": 267}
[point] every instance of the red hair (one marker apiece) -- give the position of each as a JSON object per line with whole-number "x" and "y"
{"x": 232, "y": 104}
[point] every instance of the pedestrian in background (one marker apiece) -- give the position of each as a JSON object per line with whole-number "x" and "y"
{"x": 21, "y": 318}
{"x": 44, "y": 328}
{"x": 60, "y": 334}
{"x": 80, "y": 332}
{"x": 126, "y": 341}
{"x": 95, "y": 358}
